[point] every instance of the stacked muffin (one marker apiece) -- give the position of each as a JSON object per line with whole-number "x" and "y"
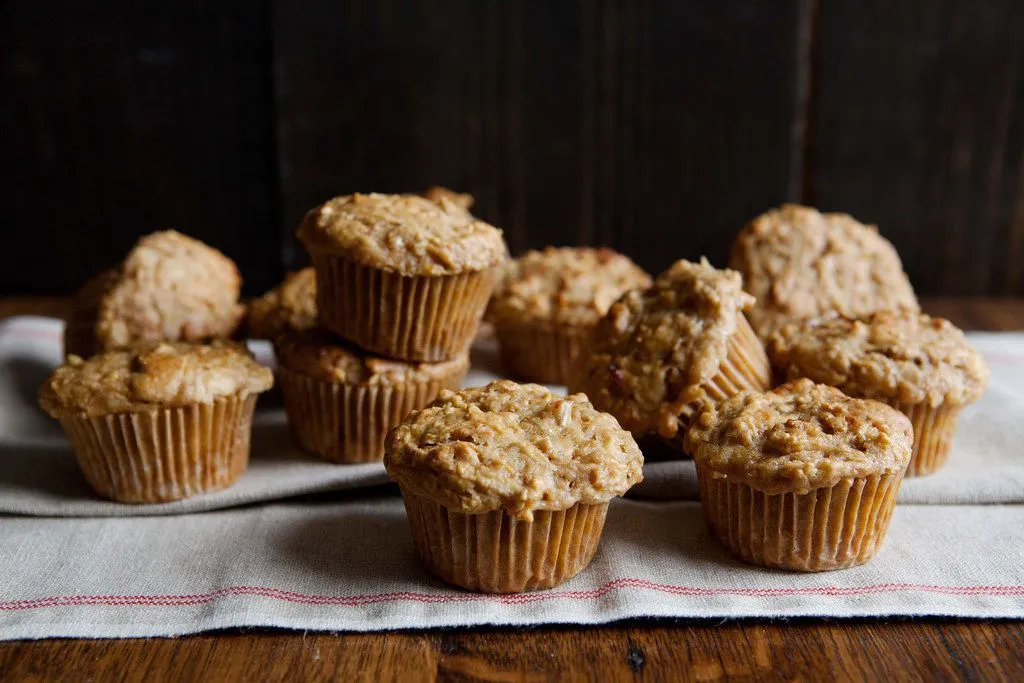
{"x": 383, "y": 320}
{"x": 156, "y": 403}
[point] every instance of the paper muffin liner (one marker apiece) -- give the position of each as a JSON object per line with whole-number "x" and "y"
{"x": 933, "y": 435}
{"x": 494, "y": 552}
{"x": 166, "y": 454}
{"x": 424, "y": 318}
{"x": 536, "y": 354}
{"x": 828, "y": 528}
{"x": 348, "y": 423}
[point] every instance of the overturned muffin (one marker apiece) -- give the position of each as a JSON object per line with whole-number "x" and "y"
{"x": 660, "y": 352}
{"x": 800, "y": 263}
{"x": 169, "y": 287}
{"x": 920, "y": 365}
{"x": 526, "y": 473}
{"x": 158, "y": 422}
{"x": 802, "y": 477}
{"x": 549, "y": 302}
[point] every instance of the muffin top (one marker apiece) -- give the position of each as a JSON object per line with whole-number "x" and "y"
{"x": 440, "y": 194}
{"x": 162, "y": 375}
{"x": 890, "y": 356}
{"x": 800, "y": 264}
{"x": 289, "y": 306}
{"x": 317, "y": 353}
{"x": 406, "y": 234}
{"x": 656, "y": 348}
{"x": 170, "y": 287}
{"x": 564, "y": 286}
{"x": 512, "y": 447}
{"x": 799, "y": 437}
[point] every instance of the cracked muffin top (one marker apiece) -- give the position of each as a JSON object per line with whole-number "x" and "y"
{"x": 890, "y": 356}
{"x": 512, "y": 447}
{"x": 317, "y": 353}
{"x": 162, "y": 375}
{"x": 406, "y": 234}
{"x": 289, "y": 306}
{"x": 655, "y": 348}
{"x": 800, "y": 263}
{"x": 799, "y": 437}
{"x": 564, "y": 286}
{"x": 170, "y": 287}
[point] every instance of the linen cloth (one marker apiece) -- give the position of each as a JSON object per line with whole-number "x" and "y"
{"x": 72, "y": 565}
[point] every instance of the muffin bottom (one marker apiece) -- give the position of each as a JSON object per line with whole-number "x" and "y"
{"x": 348, "y": 423}
{"x": 166, "y": 454}
{"x": 933, "y": 435}
{"x": 829, "y": 528}
{"x": 421, "y": 318}
{"x": 538, "y": 354}
{"x": 494, "y": 552}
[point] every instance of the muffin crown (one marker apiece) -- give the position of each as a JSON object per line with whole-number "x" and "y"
{"x": 800, "y": 263}
{"x": 152, "y": 376}
{"x": 799, "y": 437}
{"x": 406, "y": 234}
{"x": 890, "y": 355}
{"x": 170, "y": 287}
{"x": 655, "y": 348}
{"x": 517, "y": 448}
{"x": 289, "y": 306}
{"x": 318, "y": 353}
{"x": 570, "y": 286}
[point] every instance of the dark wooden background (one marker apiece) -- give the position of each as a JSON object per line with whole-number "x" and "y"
{"x": 655, "y": 126}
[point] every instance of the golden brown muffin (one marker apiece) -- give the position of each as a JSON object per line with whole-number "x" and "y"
{"x": 170, "y": 287}
{"x": 659, "y": 352}
{"x": 549, "y": 302}
{"x": 400, "y": 275}
{"x": 800, "y": 263}
{"x": 341, "y": 401}
{"x": 158, "y": 422}
{"x": 289, "y": 306}
{"x": 921, "y": 366}
{"x": 524, "y": 472}
{"x": 802, "y": 477}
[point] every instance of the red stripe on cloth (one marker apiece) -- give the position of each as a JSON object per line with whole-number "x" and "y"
{"x": 513, "y": 599}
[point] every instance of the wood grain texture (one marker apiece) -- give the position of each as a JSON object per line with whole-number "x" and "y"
{"x": 124, "y": 118}
{"x": 919, "y": 127}
{"x": 904, "y": 650}
{"x": 656, "y": 127}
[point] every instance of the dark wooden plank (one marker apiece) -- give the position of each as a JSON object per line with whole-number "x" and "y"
{"x": 120, "y": 119}
{"x": 657, "y": 127}
{"x": 697, "y": 651}
{"x": 919, "y": 126}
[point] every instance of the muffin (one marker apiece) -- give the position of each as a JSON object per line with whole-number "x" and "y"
{"x": 507, "y": 486}
{"x": 802, "y": 477}
{"x": 921, "y": 366}
{"x": 158, "y": 422}
{"x": 799, "y": 264}
{"x": 170, "y": 287}
{"x": 548, "y": 302}
{"x": 660, "y": 352}
{"x": 289, "y": 306}
{"x": 342, "y": 401}
{"x": 400, "y": 275}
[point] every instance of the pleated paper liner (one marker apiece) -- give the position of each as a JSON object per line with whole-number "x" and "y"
{"x": 412, "y": 318}
{"x": 536, "y": 354}
{"x": 933, "y": 435}
{"x": 166, "y": 454}
{"x": 829, "y": 528}
{"x": 348, "y": 423}
{"x": 496, "y": 553}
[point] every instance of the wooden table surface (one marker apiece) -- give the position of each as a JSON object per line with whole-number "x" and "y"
{"x": 804, "y": 649}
